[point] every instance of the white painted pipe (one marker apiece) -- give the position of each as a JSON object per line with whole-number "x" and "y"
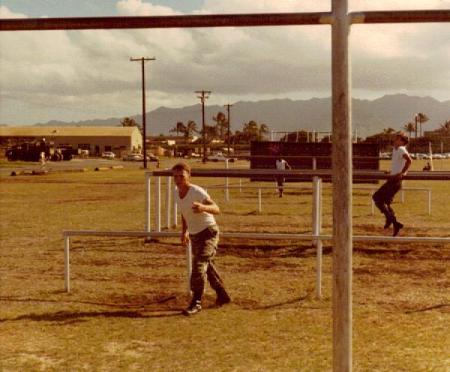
{"x": 227, "y": 195}
{"x": 168, "y": 205}
{"x": 402, "y": 196}
{"x": 175, "y": 206}
{"x": 259, "y": 201}
{"x": 429, "y": 202}
{"x": 316, "y": 222}
{"x": 148, "y": 186}
{"x": 158, "y": 204}
{"x": 67, "y": 263}
{"x": 240, "y": 184}
{"x": 188, "y": 266}
{"x": 314, "y": 163}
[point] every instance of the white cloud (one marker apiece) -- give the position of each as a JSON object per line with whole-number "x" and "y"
{"x": 85, "y": 74}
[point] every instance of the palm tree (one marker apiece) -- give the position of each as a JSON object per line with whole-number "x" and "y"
{"x": 263, "y": 130}
{"x": 409, "y": 127}
{"x": 178, "y": 128}
{"x": 191, "y": 128}
{"x": 445, "y": 127}
{"x": 221, "y": 124}
{"x": 420, "y": 118}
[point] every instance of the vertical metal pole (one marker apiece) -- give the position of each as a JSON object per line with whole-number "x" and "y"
{"x": 227, "y": 192}
{"x": 314, "y": 163}
{"x": 316, "y": 220}
{"x": 168, "y": 205}
{"x": 148, "y": 206}
{"x": 144, "y": 123}
{"x": 67, "y": 263}
{"x": 259, "y": 201}
{"x": 240, "y": 185}
{"x": 372, "y": 204}
{"x": 158, "y": 204}
{"x": 342, "y": 189}
{"x": 429, "y": 202}
{"x": 175, "y": 211}
{"x": 188, "y": 266}
{"x": 402, "y": 196}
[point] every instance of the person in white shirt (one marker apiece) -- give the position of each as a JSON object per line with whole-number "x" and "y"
{"x": 383, "y": 197}
{"x": 281, "y": 164}
{"x": 200, "y": 228}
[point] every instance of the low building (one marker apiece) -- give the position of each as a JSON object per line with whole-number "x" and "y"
{"x": 119, "y": 140}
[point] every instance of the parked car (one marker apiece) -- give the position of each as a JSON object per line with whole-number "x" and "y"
{"x": 151, "y": 157}
{"x": 133, "y": 157}
{"x": 219, "y": 157}
{"x": 108, "y": 155}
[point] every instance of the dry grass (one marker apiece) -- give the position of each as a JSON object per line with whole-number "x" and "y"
{"x": 123, "y": 311}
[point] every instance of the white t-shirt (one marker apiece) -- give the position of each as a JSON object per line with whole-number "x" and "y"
{"x": 196, "y": 222}
{"x": 281, "y": 164}
{"x": 398, "y": 161}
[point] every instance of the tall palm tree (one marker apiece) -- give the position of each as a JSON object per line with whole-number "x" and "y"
{"x": 409, "y": 127}
{"x": 263, "y": 130}
{"x": 421, "y": 118}
{"x": 191, "y": 128}
{"x": 221, "y": 124}
{"x": 178, "y": 128}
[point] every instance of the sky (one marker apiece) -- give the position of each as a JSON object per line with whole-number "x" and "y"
{"x": 82, "y": 75}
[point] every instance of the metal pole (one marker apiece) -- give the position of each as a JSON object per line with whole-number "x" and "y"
{"x": 144, "y": 125}
{"x": 175, "y": 211}
{"x": 158, "y": 204}
{"x": 227, "y": 193}
{"x": 188, "y": 266}
{"x": 168, "y": 192}
{"x": 229, "y": 125}
{"x": 429, "y": 202}
{"x": 316, "y": 221}
{"x": 314, "y": 163}
{"x": 402, "y": 196}
{"x": 67, "y": 263}
{"x": 342, "y": 189}
{"x": 259, "y": 201}
{"x": 148, "y": 183}
{"x": 203, "y": 95}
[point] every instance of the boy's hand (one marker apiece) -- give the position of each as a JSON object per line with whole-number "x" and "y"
{"x": 197, "y": 207}
{"x": 185, "y": 238}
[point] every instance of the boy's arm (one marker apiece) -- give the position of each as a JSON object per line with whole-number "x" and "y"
{"x": 208, "y": 205}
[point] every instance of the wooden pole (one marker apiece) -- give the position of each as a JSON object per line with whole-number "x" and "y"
{"x": 342, "y": 190}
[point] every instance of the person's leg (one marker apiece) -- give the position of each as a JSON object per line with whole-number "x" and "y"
{"x": 381, "y": 198}
{"x": 280, "y": 182}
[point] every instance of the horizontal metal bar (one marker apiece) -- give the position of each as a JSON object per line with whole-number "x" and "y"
{"x": 325, "y": 174}
{"x": 179, "y": 21}
{"x": 400, "y": 16}
{"x": 265, "y": 236}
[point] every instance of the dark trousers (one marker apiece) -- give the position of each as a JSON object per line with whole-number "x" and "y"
{"x": 384, "y": 196}
{"x": 204, "y": 248}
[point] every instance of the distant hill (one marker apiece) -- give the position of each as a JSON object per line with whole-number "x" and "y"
{"x": 369, "y": 116}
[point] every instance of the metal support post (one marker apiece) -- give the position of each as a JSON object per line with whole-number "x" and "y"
{"x": 168, "y": 206}
{"x": 259, "y": 201}
{"x": 148, "y": 185}
{"x": 175, "y": 207}
{"x": 67, "y": 264}
{"x": 317, "y": 222}
{"x": 188, "y": 266}
{"x": 227, "y": 192}
{"x": 158, "y": 204}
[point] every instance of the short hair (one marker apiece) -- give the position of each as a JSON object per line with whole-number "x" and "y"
{"x": 182, "y": 166}
{"x": 403, "y": 137}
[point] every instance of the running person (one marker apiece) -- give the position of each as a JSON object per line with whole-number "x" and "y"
{"x": 281, "y": 164}
{"x": 200, "y": 228}
{"x": 383, "y": 197}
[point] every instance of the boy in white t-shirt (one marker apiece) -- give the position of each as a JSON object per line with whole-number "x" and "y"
{"x": 383, "y": 197}
{"x": 281, "y": 164}
{"x": 200, "y": 228}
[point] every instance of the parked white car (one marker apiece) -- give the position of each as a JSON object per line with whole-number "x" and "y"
{"x": 133, "y": 157}
{"x": 219, "y": 157}
{"x": 108, "y": 155}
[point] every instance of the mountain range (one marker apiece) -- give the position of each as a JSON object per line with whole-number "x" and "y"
{"x": 369, "y": 116}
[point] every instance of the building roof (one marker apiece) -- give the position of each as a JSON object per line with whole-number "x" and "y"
{"x": 38, "y": 131}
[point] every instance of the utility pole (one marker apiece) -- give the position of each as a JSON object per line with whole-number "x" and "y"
{"x": 144, "y": 126}
{"x": 203, "y": 95}
{"x": 229, "y": 124}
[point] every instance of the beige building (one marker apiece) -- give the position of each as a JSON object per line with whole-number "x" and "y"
{"x": 119, "y": 140}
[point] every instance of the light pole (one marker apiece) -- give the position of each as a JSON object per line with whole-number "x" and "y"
{"x": 203, "y": 95}
{"x": 144, "y": 126}
{"x": 229, "y": 124}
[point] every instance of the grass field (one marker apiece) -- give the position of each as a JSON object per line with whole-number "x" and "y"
{"x": 123, "y": 312}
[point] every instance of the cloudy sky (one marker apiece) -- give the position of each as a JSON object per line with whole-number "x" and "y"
{"x": 79, "y": 75}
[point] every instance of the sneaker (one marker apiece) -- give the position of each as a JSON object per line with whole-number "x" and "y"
{"x": 222, "y": 299}
{"x": 387, "y": 224}
{"x": 194, "y": 308}
{"x": 397, "y": 227}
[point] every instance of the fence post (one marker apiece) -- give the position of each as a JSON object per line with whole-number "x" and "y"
{"x": 168, "y": 189}
{"x": 175, "y": 207}
{"x": 429, "y": 202}
{"x": 372, "y": 202}
{"x": 402, "y": 196}
{"x": 227, "y": 194}
{"x": 67, "y": 263}
{"x": 158, "y": 204}
{"x": 188, "y": 266}
{"x": 316, "y": 223}
{"x": 259, "y": 201}
{"x": 148, "y": 183}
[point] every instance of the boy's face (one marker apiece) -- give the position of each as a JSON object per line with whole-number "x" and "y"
{"x": 181, "y": 177}
{"x": 398, "y": 141}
